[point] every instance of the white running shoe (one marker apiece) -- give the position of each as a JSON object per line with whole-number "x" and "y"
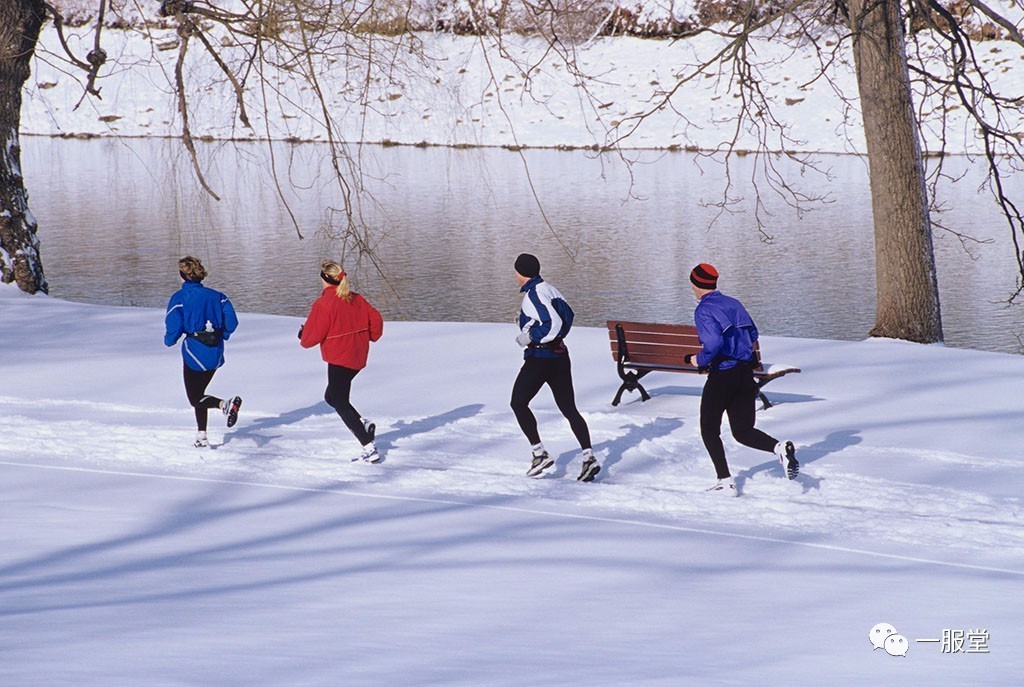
{"x": 786, "y": 453}
{"x": 201, "y": 440}
{"x": 371, "y": 454}
{"x": 725, "y": 487}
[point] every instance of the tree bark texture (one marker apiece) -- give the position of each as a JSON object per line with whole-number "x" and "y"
{"x": 907, "y": 287}
{"x": 20, "y": 23}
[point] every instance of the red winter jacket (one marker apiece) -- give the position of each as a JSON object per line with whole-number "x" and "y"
{"x": 344, "y": 329}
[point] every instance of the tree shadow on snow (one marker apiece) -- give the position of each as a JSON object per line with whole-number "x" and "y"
{"x": 272, "y": 535}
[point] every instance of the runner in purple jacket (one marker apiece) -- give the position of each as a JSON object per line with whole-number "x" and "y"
{"x": 727, "y": 334}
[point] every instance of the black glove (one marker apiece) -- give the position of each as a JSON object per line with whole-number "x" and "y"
{"x": 690, "y": 359}
{"x": 301, "y": 327}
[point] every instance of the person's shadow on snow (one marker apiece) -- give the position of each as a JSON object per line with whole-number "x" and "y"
{"x": 255, "y": 429}
{"x": 404, "y": 429}
{"x": 610, "y": 452}
{"x": 833, "y": 443}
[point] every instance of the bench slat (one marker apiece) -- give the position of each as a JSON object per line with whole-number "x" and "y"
{"x": 655, "y": 338}
{"x": 676, "y": 367}
{"x": 655, "y": 353}
{"x": 652, "y": 327}
{"x": 638, "y": 351}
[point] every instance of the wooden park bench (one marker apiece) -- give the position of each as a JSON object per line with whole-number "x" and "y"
{"x": 640, "y": 348}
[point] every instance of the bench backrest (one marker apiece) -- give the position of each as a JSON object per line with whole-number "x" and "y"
{"x": 657, "y": 344}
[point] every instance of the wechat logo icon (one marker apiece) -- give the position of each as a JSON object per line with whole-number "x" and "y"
{"x": 884, "y": 636}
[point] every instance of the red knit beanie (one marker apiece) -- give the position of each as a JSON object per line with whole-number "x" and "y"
{"x": 704, "y": 276}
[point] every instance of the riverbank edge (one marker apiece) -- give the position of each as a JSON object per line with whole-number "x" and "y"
{"x": 86, "y": 136}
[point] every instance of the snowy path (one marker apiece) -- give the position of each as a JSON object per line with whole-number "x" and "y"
{"x": 195, "y": 581}
{"x": 651, "y": 474}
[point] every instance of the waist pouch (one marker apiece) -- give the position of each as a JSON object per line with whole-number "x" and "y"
{"x": 751, "y": 364}
{"x": 208, "y": 338}
{"x": 555, "y": 346}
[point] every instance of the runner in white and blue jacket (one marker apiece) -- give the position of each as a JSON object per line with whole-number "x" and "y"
{"x": 727, "y": 334}
{"x": 544, "y": 320}
{"x": 206, "y": 319}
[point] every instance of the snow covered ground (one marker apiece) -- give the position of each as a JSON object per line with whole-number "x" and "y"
{"x": 130, "y": 558}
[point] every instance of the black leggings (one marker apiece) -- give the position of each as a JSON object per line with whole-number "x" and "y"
{"x": 195, "y": 388}
{"x": 731, "y": 392}
{"x": 339, "y": 386}
{"x": 557, "y": 374}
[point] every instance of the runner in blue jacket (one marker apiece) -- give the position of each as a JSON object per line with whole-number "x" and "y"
{"x": 206, "y": 319}
{"x": 727, "y": 334}
{"x": 544, "y": 320}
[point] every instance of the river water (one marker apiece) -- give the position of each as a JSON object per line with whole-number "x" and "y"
{"x": 619, "y": 241}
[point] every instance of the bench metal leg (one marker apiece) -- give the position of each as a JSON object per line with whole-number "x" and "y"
{"x": 631, "y": 382}
{"x": 765, "y": 403}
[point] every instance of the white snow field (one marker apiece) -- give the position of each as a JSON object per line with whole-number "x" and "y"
{"x": 130, "y": 558}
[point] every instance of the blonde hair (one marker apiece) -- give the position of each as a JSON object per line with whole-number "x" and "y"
{"x": 334, "y": 271}
{"x": 191, "y": 269}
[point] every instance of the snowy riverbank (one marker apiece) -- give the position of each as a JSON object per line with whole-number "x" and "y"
{"x": 463, "y": 93}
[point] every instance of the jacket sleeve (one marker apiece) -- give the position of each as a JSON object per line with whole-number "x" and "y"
{"x": 230, "y": 318}
{"x": 314, "y": 330}
{"x": 710, "y": 334}
{"x": 376, "y": 323}
{"x": 174, "y": 322}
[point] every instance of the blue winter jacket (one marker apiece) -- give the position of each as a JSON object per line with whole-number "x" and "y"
{"x": 545, "y": 316}
{"x": 188, "y": 312}
{"x": 726, "y": 331}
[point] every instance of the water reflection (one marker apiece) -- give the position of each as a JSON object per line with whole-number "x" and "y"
{"x": 115, "y": 215}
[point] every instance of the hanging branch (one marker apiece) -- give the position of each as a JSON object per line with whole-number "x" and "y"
{"x": 185, "y": 30}
{"x": 96, "y": 57}
{"x": 243, "y": 115}
{"x": 999, "y": 141}
{"x": 1006, "y": 24}
{"x": 259, "y": 59}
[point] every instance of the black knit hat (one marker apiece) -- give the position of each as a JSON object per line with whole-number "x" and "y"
{"x": 528, "y": 265}
{"x": 704, "y": 276}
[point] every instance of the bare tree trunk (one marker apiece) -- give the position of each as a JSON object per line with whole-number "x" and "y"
{"x": 907, "y": 287}
{"x": 20, "y": 22}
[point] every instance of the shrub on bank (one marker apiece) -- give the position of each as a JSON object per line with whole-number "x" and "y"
{"x": 567, "y": 20}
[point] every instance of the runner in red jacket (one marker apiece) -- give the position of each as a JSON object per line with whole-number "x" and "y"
{"x": 343, "y": 323}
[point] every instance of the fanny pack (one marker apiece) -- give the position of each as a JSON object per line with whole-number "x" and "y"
{"x": 208, "y": 338}
{"x": 556, "y": 345}
{"x": 716, "y": 364}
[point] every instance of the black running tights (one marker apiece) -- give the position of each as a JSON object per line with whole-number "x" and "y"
{"x": 557, "y": 374}
{"x": 195, "y": 388}
{"x": 339, "y": 386}
{"x": 732, "y": 392}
